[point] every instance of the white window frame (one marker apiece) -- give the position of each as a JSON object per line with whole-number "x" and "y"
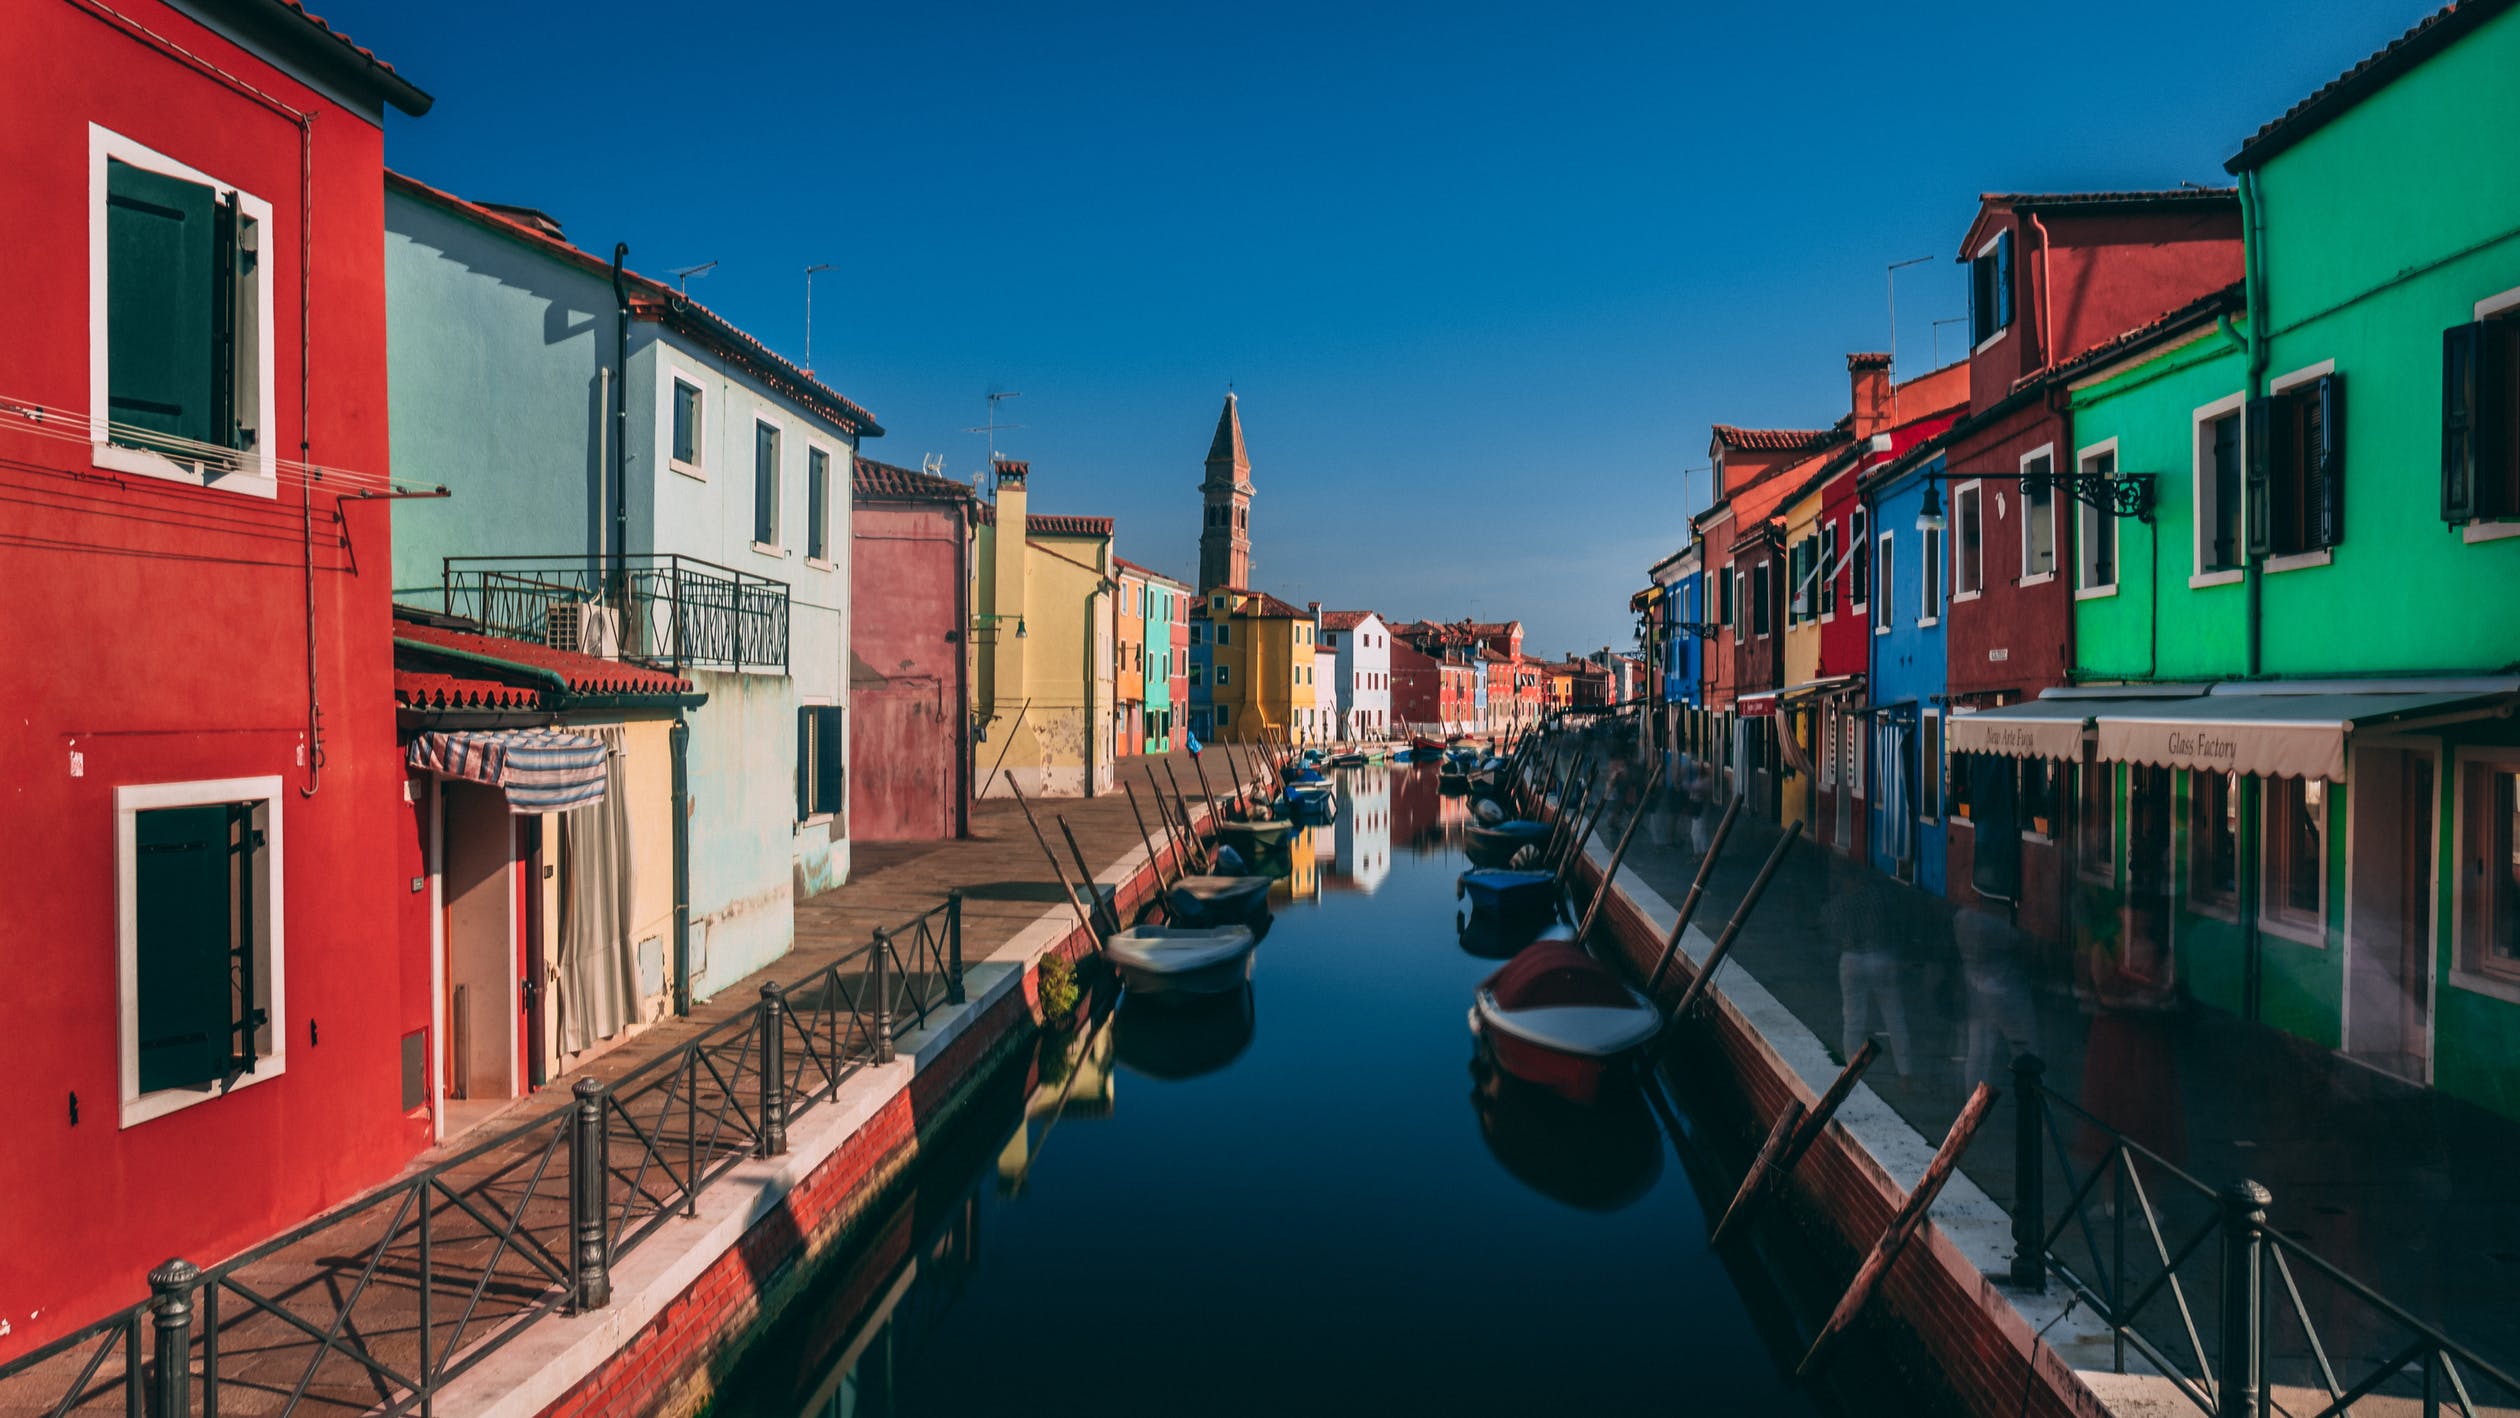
{"x": 675, "y": 374}
{"x": 777, "y": 545}
{"x": 1885, "y": 604}
{"x": 1224, "y": 676}
{"x": 2462, "y": 975}
{"x": 104, "y": 144}
{"x": 2281, "y": 385}
{"x": 1930, "y": 558}
{"x": 829, "y": 560}
{"x": 2200, "y": 457}
{"x": 2088, "y": 522}
{"x": 2056, "y": 539}
{"x": 2284, "y": 926}
{"x": 1975, "y": 490}
{"x": 2004, "y": 329}
{"x": 1930, "y": 782}
{"x": 1766, "y": 567}
{"x": 1830, "y": 533}
{"x": 270, "y": 917}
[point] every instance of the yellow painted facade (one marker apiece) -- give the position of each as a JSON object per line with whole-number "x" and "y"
{"x": 1260, "y": 664}
{"x": 1042, "y": 648}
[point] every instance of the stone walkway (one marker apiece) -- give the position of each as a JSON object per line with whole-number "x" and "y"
{"x": 354, "y": 1289}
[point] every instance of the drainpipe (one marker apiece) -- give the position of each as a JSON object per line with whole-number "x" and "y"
{"x": 2047, "y": 351}
{"x": 961, "y": 642}
{"x": 680, "y": 737}
{"x": 621, "y": 416}
{"x": 2253, "y": 274}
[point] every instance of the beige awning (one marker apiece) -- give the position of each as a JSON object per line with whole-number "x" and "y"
{"x": 2034, "y": 728}
{"x": 2240, "y": 729}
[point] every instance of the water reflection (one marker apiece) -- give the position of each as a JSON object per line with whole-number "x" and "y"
{"x": 1492, "y": 937}
{"x": 1186, "y": 1037}
{"x": 1598, "y": 1157}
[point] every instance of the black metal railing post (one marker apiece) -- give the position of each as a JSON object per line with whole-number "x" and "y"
{"x": 590, "y": 1258}
{"x": 738, "y": 610}
{"x": 773, "y": 1102}
{"x": 2029, "y": 1219}
{"x": 879, "y": 991}
{"x": 953, "y": 947}
{"x": 171, "y": 1287}
{"x": 2244, "y": 1206}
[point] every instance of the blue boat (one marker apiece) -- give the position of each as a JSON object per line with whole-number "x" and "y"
{"x": 1495, "y": 846}
{"x": 1503, "y": 892}
{"x": 1311, "y": 799}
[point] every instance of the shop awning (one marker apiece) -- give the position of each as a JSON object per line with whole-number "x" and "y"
{"x": 540, "y": 770}
{"x": 1816, "y": 688}
{"x": 2034, "y": 728}
{"x": 2246, "y": 729}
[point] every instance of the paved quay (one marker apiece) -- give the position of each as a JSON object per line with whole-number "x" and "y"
{"x": 354, "y": 1289}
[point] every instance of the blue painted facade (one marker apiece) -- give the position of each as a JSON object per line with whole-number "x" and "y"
{"x": 1906, "y": 796}
{"x": 1202, "y": 673}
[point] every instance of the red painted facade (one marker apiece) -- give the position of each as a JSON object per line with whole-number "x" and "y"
{"x": 909, "y": 680}
{"x": 162, "y": 635}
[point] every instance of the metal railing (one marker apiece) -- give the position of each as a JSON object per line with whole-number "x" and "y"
{"x": 672, "y": 611}
{"x": 2239, "y": 1317}
{"x": 376, "y": 1306}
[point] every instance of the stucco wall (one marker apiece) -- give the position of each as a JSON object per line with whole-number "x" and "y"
{"x": 744, "y": 838}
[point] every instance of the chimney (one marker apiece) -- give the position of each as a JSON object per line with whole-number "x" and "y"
{"x": 1007, "y": 582}
{"x": 1868, "y": 380}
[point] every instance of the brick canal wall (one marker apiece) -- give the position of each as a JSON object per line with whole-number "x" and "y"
{"x": 685, "y": 1304}
{"x": 1941, "y": 1309}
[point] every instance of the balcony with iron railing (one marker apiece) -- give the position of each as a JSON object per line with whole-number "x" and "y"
{"x": 672, "y": 612}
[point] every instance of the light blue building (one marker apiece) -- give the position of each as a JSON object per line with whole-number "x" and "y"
{"x": 633, "y": 477}
{"x": 1910, "y": 591}
{"x": 1675, "y": 609}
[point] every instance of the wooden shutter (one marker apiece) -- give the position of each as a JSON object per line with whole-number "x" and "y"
{"x": 2258, "y": 433}
{"x": 2462, "y": 352}
{"x": 2323, "y": 460}
{"x": 2003, "y": 281}
{"x": 183, "y": 941}
{"x": 804, "y": 764}
{"x": 162, "y": 305}
{"x": 831, "y": 760}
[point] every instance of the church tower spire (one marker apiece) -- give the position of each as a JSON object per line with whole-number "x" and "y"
{"x": 1225, "y": 535}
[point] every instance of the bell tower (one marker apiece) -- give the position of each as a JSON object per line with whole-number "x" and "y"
{"x": 1225, "y": 535}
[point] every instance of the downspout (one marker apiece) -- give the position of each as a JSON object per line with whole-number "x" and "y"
{"x": 2253, "y": 274}
{"x": 306, "y": 447}
{"x": 2047, "y": 351}
{"x": 680, "y": 737}
{"x": 961, "y": 641}
{"x": 621, "y": 418}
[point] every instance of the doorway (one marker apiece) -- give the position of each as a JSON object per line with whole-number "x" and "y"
{"x": 2388, "y": 937}
{"x": 488, "y": 909}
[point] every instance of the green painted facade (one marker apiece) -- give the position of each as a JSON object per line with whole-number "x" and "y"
{"x": 2394, "y": 221}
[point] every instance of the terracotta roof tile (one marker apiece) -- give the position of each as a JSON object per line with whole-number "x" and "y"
{"x": 871, "y": 479}
{"x": 424, "y": 689}
{"x": 1773, "y": 440}
{"x": 1051, "y": 524}
{"x": 1149, "y": 572}
{"x": 584, "y": 674}
{"x": 1343, "y": 620}
{"x": 2160, "y": 196}
{"x": 2432, "y": 34}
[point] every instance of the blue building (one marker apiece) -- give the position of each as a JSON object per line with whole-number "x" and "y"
{"x": 1674, "y": 608}
{"x": 1909, "y": 575}
{"x": 637, "y": 479}
{"x": 1202, "y": 672}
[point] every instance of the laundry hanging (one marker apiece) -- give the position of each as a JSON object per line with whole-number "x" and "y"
{"x": 540, "y": 770}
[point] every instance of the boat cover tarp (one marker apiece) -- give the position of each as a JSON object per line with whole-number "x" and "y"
{"x": 1553, "y": 973}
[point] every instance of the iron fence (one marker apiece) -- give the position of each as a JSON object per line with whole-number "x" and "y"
{"x": 2193, "y": 1281}
{"x": 673, "y": 611}
{"x": 375, "y": 1307}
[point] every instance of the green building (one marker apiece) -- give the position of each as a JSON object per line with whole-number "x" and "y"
{"x": 2295, "y": 682}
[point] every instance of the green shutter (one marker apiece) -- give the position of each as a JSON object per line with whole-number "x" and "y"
{"x": 2323, "y": 458}
{"x": 831, "y": 761}
{"x": 162, "y": 304}
{"x": 2463, "y": 351}
{"x": 2004, "y": 282}
{"x": 804, "y": 764}
{"x": 2258, "y": 433}
{"x": 184, "y": 933}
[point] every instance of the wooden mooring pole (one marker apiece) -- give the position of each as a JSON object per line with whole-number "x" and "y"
{"x": 1093, "y": 889}
{"x": 1181, "y": 804}
{"x": 1618, "y": 854}
{"x": 1902, "y": 1228}
{"x": 1793, "y": 1135}
{"x": 1083, "y": 918}
{"x": 1154, "y": 858}
{"x": 1163, "y": 813}
{"x": 1732, "y": 928}
{"x": 1697, "y": 893}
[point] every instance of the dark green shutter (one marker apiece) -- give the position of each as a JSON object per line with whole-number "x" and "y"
{"x": 2462, "y": 350}
{"x": 2323, "y": 458}
{"x": 831, "y": 761}
{"x": 2258, "y": 435}
{"x": 765, "y": 484}
{"x": 817, "y": 504}
{"x": 804, "y": 764}
{"x": 2003, "y": 281}
{"x": 184, "y": 933}
{"x": 162, "y": 304}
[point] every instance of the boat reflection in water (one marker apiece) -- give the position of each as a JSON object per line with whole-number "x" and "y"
{"x": 1492, "y": 937}
{"x": 1601, "y": 1156}
{"x": 1186, "y": 1037}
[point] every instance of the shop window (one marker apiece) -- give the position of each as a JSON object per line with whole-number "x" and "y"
{"x": 2292, "y": 883}
{"x": 2095, "y": 843}
{"x": 200, "y": 946}
{"x": 2488, "y": 893}
{"x": 2038, "y": 796}
{"x": 2213, "y": 844}
{"x": 2294, "y": 445}
{"x": 822, "y": 762}
{"x": 2480, "y": 420}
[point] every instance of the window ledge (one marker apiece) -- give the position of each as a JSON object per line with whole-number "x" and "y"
{"x": 2313, "y": 936}
{"x": 2299, "y": 561}
{"x": 770, "y": 549}
{"x": 1881, "y": 630}
{"x": 821, "y": 563}
{"x": 2507, "y": 991}
{"x": 1928, "y": 622}
{"x": 820, "y": 819}
{"x": 2095, "y": 593}
{"x": 2041, "y": 579}
{"x": 158, "y": 1104}
{"x": 147, "y": 463}
{"x": 1958, "y": 596}
{"x": 2492, "y": 531}
{"x": 1990, "y": 341}
{"x": 2203, "y": 579}
{"x": 692, "y": 471}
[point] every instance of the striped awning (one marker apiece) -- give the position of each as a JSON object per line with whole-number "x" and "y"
{"x": 540, "y": 770}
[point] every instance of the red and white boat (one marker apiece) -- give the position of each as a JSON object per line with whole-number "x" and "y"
{"x": 1556, "y": 1017}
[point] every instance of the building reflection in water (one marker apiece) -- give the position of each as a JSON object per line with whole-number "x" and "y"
{"x": 1362, "y": 835}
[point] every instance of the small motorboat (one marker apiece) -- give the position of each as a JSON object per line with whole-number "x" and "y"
{"x": 1312, "y": 799}
{"x": 1307, "y": 775}
{"x": 1350, "y": 759}
{"x": 1500, "y": 891}
{"x": 1216, "y": 900}
{"x": 1258, "y": 833}
{"x": 1556, "y": 1017}
{"x": 1495, "y": 846}
{"x": 1424, "y": 745}
{"x": 1182, "y": 960}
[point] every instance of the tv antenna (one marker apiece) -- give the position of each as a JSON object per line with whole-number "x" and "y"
{"x": 809, "y": 311}
{"x": 992, "y": 428}
{"x": 933, "y": 465}
{"x": 682, "y": 278}
{"x": 1954, "y": 320}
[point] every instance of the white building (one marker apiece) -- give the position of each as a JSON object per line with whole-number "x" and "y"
{"x": 1361, "y": 678}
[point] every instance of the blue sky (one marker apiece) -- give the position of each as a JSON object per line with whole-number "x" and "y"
{"x": 1482, "y": 277}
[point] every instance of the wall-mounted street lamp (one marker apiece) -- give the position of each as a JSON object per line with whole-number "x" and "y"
{"x": 2115, "y": 494}
{"x": 990, "y": 618}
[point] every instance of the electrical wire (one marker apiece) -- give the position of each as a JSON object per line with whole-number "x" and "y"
{"x": 75, "y": 427}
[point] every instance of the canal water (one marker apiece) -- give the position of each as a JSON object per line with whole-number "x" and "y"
{"x": 1299, "y": 1199}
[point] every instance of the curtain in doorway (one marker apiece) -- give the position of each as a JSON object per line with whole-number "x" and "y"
{"x": 599, "y": 982}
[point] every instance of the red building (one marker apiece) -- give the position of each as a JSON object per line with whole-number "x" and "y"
{"x": 1755, "y": 469}
{"x": 2051, "y": 277}
{"x": 213, "y": 1028}
{"x": 1430, "y": 691}
{"x": 909, "y": 678}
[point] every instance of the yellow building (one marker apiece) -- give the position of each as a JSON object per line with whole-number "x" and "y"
{"x": 1044, "y": 619}
{"x": 1260, "y": 667}
{"x": 1799, "y": 716}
